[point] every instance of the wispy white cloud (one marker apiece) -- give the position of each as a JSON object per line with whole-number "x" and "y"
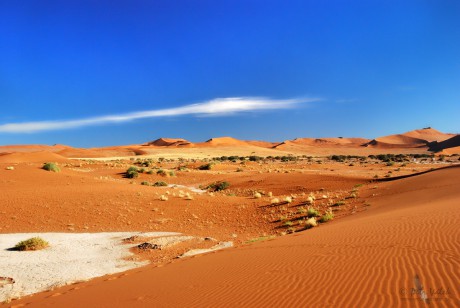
{"x": 215, "y": 107}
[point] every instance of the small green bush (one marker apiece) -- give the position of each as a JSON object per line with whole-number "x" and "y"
{"x": 205, "y": 167}
{"x": 132, "y": 172}
{"x": 160, "y": 183}
{"x": 34, "y": 243}
{"x": 312, "y": 212}
{"x": 162, "y": 172}
{"x": 51, "y": 167}
{"x": 327, "y": 216}
{"x": 145, "y": 183}
{"x": 218, "y": 186}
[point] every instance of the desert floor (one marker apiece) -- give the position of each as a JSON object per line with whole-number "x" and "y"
{"x": 383, "y": 234}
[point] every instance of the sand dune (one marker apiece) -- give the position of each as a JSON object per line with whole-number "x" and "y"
{"x": 32, "y": 157}
{"x": 224, "y": 141}
{"x": 365, "y": 260}
{"x": 450, "y": 145}
{"x": 413, "y": 139}
{"x": 167, "y": 142}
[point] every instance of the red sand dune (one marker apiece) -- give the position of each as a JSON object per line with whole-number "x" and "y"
{"x": 32, "y": 157}
{"x": 32, "y": 148}
{"x": 167, "y": 142}
{"x": 415, "y": 138}
{"x": 429, "y": 134}
{"x": 365, "y": 260}
{"x": 450, "y": 145}
{"x": 224, "y": 141}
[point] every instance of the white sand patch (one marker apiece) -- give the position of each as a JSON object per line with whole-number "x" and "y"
{"x": 191, "y": 188}
{"x": 71, "y": 257}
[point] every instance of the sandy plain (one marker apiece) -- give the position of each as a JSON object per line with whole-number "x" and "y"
{"x": 394, "y": 226}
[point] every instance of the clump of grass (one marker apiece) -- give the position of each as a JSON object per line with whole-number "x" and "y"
{"x": 257, "y": 195}
{"x": 312, "y": 212}
{"x": 188, "y": 196}
{"x": 302, "y": 210}
{"x": 9, "y": 168}
{"x": 162, "y": 172}
{"x": 145, "y": 183}
{"x": 327, "y": 216}
{"x": 150, "y": 171}
{"x": 261, "y": 238}
{"x": 218, "y": 186}
{"x": 339, "y": 203}
{"x": 51, "y": 167}
{"x": 160, "y": 183}
{"x": 206, "y": 167}
{"x": 132, "y": 172}
{"x": 288, "y": 223}
{"x": 288, "y": 199}
{"x": 275, "y": 201}
{"x": 310, "y": 223}
{"x": 163, "y": 198}
{"x": 172, "y": 173}
{"x": 34, "y": 243}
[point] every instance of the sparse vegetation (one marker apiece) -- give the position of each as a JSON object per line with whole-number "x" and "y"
{"x": 218, "y": 186}
{"x": 34, "y": 243}
{"x": 160, "y": 183}
{"x": 275, "y": 201}
{"x": 312, "y": 212}
{"x": 132, "y": 172}
{"x": 327, "y": 216}
{"x": 206, "y": 167}
{"x": 310, "y": 223}
{"x": 51, "y": 167}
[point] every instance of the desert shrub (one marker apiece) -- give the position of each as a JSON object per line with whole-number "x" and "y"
{"x": 163, "y": 198}
{"x": 288, "y": 223}
{"x": 34, "y": 243}
{"x": 310, "y": 223}
{"x": 275, "y": 201}
{"x": 205, "y": 167}
{"x": 255, "y": 158}
{"x": 132, "y": 172}
{"x": 327, "y": 216}
{"x": 288, "y": 199}
{"x": 160, "y": 183}
{"x": 288, "y": 158}
{"x": 150, "y": 171}
{"x": 339, "y": 158}
{"x": 162, "y": 172}
{"x": 302, "y": 210}
{"x": 172, "y": 173}
{"x": 145, "y": 183}
{"x": 339, "y": 203}
{"x": 312, "y": 212}
{"x": 51, "y": 167}
{"x": 257, "y": 195}
{"x": 218, "y": 186}
{"x": 141, "y": 170}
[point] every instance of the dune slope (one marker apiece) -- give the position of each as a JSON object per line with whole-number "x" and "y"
{"x": 364, "y": 260}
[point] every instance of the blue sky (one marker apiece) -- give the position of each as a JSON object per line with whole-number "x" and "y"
{"x": 314, "y": 68}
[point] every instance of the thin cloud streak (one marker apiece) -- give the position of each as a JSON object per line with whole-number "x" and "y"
{"x": 215, "y": 107}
